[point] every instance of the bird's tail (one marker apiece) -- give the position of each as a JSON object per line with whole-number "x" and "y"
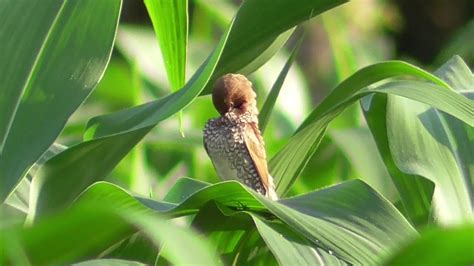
{"x": 271, "y": 193}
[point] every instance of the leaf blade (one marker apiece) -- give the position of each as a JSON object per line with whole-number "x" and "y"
{"x": 71, "y": 59}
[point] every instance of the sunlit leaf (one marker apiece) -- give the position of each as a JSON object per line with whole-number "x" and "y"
{"x": 117, "y": 133}
{"x": 289, "y": 162}
{"x": 350, "y": 221}
{"x": 100, "y": 226}
{"x": 170, "y": 21}
{"x": 267, "y": 107}
{"x": 48, "y": 69}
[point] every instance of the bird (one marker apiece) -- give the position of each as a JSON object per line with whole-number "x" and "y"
{"x": 233, "y": 140}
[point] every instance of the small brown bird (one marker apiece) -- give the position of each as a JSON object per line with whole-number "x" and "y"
{"x": 233, "y": 141}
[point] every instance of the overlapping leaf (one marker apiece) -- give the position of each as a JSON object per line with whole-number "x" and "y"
{"x": 90, "y": 230}
{"x": 48, "y": 68}
{"x": 122, "y": 130}
{"x": 430, "y": 143}
{"x": 290, "y": 161}
{"x": 349, "y": 221}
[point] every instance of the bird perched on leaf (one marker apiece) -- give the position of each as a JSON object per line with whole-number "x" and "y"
{"x": 233, "y": 141}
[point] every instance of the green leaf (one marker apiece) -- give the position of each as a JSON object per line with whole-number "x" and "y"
{"x": 181, "y": 246}
{"x": 45, "y": 242}
{"x": 233, "y": 235}
{"x": 225, "y": 232}
{"x": 249, "y": 43}
{"x": 267, "y": 107}
{"x": 138, "y": 247}
{"x": 349, "y": 220}
{"x": 101, "y": 225}
{"x": 415, "y": 191}
{"x": 426, "y": 142}
{"x": 52, "y": 190}
{"x": 47, "y": 71}
{"x": 289, "y": 248}
{"x": 170, "y": 21}
{"x": 20, "y": 198}
{"x": 117, "y": 133}
{"x": 439, "y": 151}
{"x": 438, "y": 246}
{"x": 291, "y": 160}
{"x": 183, "y": 188}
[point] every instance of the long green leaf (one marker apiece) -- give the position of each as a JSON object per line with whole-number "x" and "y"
{"x": 349, "y": 220}
{"x": 86, "y": 230}
{"x": 122, "y": 130}
{"x": 180, "y": 246}
{"x": 20, "y": 198}
{"x": 424, "y": 142}
{"x": 290, "y": 248}
{"x": 47, "y": 71}
{"x": 445, "y": 154}
{"x": 267, "y": 107}
{"x": 415, "y": 191}
{"x": 290, "y": 161}
{"x": 170, "y": 21}
{"x": 98, "y": 230}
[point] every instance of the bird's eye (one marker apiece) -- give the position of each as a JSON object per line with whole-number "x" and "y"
{"x": 238, "y": 105}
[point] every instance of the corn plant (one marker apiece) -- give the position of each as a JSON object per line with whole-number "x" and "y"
{"x": 60, "y": 203}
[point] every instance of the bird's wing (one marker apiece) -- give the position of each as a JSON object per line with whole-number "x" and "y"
{"x": 256, "y": 149}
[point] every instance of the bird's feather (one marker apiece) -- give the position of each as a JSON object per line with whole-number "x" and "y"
{"x": 256, "y": 148}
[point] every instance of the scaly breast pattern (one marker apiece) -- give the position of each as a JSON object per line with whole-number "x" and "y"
{"x": 225, "y": 144}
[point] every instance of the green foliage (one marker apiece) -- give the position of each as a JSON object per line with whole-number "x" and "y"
{"x": 88, "y": 203}
{"x": 48, "y": 72}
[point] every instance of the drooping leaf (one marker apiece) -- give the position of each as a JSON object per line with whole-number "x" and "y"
{"x": 98, "y": 230}
{"x": 290, "y": 161}
{"x": 441, "y": 150}
{"x": 181, "y": 246}
{"x": 120, "y": 131}
{"x": 289, "y": 248}
{"x": 349, "y": 220}
{"x": 48, "y": 70}
{"x": 417, "y": 140}
{"x": 92, "y": 229}
{"x": 415, "y": 191}
{"x": 170, "y": 21}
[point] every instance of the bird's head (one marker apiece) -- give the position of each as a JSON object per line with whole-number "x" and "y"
{"x": 234, "y": 93}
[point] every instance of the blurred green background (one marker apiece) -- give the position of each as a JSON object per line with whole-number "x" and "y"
{"x": 336, "y": 44}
